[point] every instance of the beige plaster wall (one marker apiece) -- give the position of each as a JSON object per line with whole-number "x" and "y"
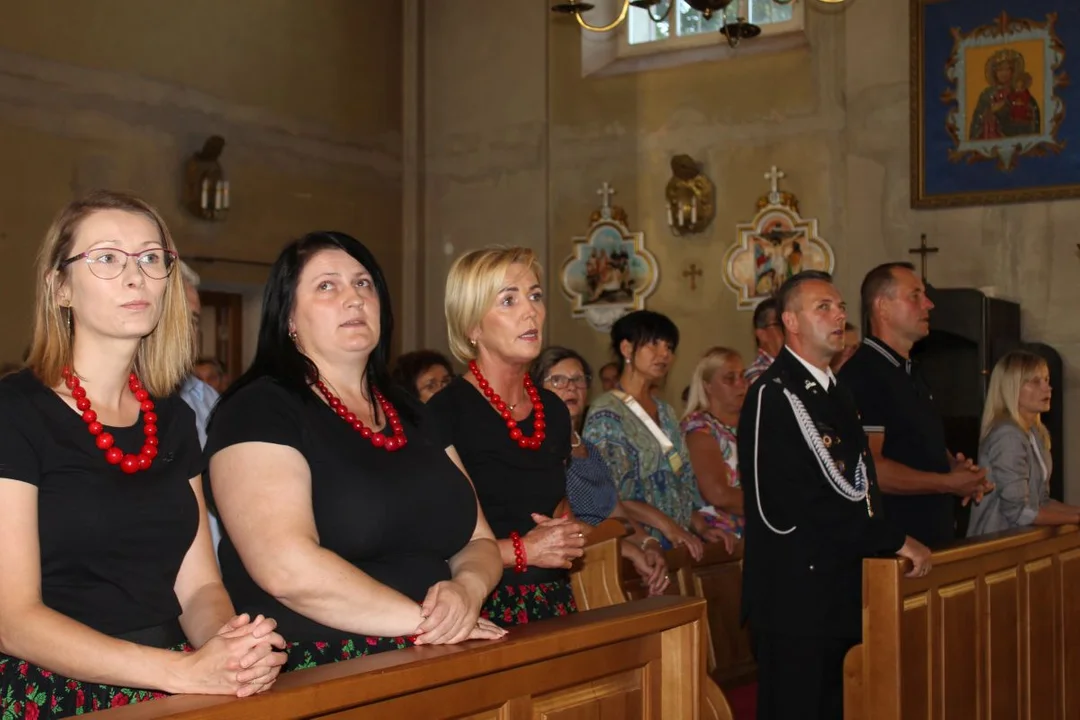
{"x": 118, "y": 93}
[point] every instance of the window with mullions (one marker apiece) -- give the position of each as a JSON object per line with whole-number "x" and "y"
{"x": 684, "y": 21}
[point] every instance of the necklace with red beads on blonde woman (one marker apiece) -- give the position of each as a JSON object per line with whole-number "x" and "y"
{"x": 528, "y": 443}
{"x": 389, "y": 444}
{"x": 104, "y": 440}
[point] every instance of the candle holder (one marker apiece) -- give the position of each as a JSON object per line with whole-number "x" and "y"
{"x": 690, "y": 195}
{"x": 206, "y": 191}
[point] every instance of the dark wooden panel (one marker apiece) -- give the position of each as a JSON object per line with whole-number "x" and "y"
{"x": 1042, "y": 638}
{"x": 915, "y": 658}
{"x": 958, "y": 672}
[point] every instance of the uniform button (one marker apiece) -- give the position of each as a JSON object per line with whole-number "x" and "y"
{"x": 811, "y": 568}
{"x": 840, "y": 465}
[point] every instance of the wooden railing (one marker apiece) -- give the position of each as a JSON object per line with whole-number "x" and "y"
{"x": 601, "y": 579}
{"x": 639, "y": 660}
{"x": 992, "y": 632}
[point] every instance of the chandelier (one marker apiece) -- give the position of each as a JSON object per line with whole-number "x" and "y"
{"x": 734, "y": 31}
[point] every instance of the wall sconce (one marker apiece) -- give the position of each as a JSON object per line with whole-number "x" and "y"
{"x": 691, "y": 204}
{"x": 206, "y": 191}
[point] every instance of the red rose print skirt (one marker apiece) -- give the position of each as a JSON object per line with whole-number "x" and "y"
{"x": 306, "y": 655}
{"x": 519, "y": 604}
{"x": 31, "y": 692}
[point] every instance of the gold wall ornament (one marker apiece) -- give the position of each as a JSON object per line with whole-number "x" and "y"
{"x": 609, "y": 272}
{"x": 206, "y": 191}
{"x": 777, "y": 244}
{"x": 690, "y": 196}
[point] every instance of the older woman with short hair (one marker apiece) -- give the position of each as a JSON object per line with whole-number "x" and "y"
{"x": 422, "y": 373}
{"x": 512, "y": 436}
{"x": 638, "y": 435}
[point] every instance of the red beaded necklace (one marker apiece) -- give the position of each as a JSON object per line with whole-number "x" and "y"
{"x": 389, "y": 444}
{"x": 115, "y": 456}
{"x": 529, "y": 443}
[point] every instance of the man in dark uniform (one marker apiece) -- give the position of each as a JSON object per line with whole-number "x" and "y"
{"x": 813, "y": 512}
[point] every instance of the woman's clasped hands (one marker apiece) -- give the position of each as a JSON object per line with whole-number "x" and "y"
{"x": 239, "y": 660}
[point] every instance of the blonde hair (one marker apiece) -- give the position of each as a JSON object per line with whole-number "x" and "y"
{"x": 472, "y": 285}
{"x": 713, "y": 360}
{"x": 1003, "y": 396}
{"x": 163, "y": 358}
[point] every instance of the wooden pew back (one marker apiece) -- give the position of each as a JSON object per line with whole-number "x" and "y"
{"x": 992, "y": 632}
{"x": 639, "y": 661}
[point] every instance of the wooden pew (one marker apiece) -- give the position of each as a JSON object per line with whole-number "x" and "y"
{"x": 634, "y": 661}
{"x": 600, "y": 579}
{"x": 993, "y": 631}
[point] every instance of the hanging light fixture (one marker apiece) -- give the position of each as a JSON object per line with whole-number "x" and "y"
{"x": 739, "y": 30}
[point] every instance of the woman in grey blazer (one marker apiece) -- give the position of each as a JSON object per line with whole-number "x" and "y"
{"x": 1015, "y": 450}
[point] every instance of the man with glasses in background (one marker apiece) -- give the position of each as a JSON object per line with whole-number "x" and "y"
{"x": 769, "y": 335}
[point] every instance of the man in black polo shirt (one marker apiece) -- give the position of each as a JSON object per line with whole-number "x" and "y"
{"x": 907, "y": 438}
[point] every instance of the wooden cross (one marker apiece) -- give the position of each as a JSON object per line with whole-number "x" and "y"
{"x": 606, "y": 191}
{"x": 922, "y": 251}
{"x": 693, "y": 273}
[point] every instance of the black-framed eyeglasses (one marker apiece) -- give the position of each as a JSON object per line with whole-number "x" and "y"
{"x": 563, "y": 381}
{"x": 109, "y": 263}
{"x": 436, "y": 384}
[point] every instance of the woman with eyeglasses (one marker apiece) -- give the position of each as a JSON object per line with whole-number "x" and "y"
{"x": 422, "y": 373}
{"x": 638, "y": 436}
{"x": 717, "y": 391}
{"x": 589, "y": 487}
{"x": 110, "y": 592}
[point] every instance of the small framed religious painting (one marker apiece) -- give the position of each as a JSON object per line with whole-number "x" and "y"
{"x": 990, "y": 84}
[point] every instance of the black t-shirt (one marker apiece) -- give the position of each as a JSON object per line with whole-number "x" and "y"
{"x": 893, "y": 398}
{"x": 397, "y": 516}
{"x": 511, "y": 482}
{"x": 111, "y": 543}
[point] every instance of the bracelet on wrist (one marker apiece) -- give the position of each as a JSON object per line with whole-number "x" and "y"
{"x": 650, "y": 539}
{"x": 521, "y": 559}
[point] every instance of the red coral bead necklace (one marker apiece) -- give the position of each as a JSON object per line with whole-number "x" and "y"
{"x": 504, "y": 410}
{"x": 105, "y": 441}
{"x": 389, "y": 444}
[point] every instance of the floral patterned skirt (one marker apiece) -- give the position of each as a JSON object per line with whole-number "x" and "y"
{"x": 31, "y": 692}
{"x": 304, "y": 655}
{"x": 519, "y": 604}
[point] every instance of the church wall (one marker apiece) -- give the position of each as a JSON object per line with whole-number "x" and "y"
{"x": 737, "y": 118}
{"x": 119, "y": 93}
{"x": 485, "y": 137}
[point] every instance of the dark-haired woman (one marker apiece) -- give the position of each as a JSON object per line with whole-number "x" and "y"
{"x": 341, "y": 512}
{"x": 638, "y": 436}
{"x": 422, "y": 373}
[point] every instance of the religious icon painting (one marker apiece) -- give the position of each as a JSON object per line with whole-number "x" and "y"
{"x": 989, "y": 91}
{"x": 609, "y": 272}
{"x": 777, "y": 244}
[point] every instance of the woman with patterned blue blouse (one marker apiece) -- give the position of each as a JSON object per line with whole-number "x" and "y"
{"x": 589, "y": 487}
{"x": 638, "y": 436}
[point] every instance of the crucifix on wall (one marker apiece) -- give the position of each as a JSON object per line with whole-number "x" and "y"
{"x": 693, "y": 272}
{"x": 922, "y": 251}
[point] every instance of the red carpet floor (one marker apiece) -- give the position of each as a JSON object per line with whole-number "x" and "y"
{"x": 743, "y": 701}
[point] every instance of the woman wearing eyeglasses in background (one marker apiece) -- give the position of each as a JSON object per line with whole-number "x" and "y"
{"x": 589, "y": 487}
{"x": 717, "y": 391}
{"x": 108, "y": 575}
{"x": 422, "y": 373}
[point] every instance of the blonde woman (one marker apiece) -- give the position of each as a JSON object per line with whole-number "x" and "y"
{"x": 110, "y": 592}
{"x": 512, "y": 437}
{"x": 1015, "y": 449}
{"x": 717, "y": 391}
